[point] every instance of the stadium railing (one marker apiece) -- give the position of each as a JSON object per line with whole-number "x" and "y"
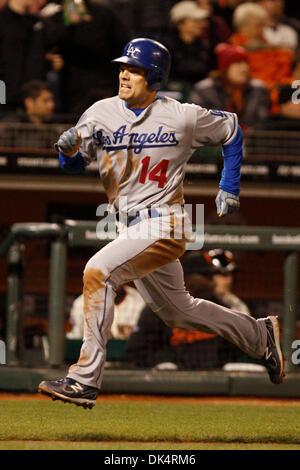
{"x": 268, "y": 155}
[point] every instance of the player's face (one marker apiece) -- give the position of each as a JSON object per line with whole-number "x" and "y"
{"x": 133, "y": 87}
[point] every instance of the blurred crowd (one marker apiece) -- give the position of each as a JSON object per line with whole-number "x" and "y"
{"x": 236, "y": 55}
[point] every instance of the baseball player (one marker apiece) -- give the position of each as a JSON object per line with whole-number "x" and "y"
{"x": 142, "y": 142}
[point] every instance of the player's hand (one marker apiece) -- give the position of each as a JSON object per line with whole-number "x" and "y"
{"x": 226, "y": 203}
{"x": 69, "y": 142}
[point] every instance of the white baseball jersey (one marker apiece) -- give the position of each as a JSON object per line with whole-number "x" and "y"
{"x": 142, "y": 158}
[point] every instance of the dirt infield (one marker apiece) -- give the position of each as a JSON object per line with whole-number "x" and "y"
{"x": 169, "y": 399}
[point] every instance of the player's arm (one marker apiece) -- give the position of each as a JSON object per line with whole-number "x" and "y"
{"x": 75, "y": 146}
{"x": 219, "y": 127}
{"x": 227, "y": 199}
{"x": 70, "y": 158}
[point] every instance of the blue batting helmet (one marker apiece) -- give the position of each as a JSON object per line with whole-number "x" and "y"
{"x": 148, "y": 54}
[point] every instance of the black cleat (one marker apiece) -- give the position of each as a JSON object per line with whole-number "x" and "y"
{"x": 273, "y": 359}
{"x": 70, "y": 391}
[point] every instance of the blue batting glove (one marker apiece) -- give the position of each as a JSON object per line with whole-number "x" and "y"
{"x": 226, "y": 203}
{"x": 69, "y": 142}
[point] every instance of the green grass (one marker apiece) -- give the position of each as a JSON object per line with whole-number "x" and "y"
{"x": 188, "y": 426}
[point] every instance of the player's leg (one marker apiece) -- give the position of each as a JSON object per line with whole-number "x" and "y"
{"x": 165, "y": 293}
{"x": 120, "y": 261}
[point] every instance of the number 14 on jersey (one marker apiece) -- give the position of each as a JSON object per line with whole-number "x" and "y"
{"x": 158, "y": 173}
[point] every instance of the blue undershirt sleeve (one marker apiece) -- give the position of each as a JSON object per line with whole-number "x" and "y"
{"x": 233, "y": 155}
{"x": 72, "y": 165}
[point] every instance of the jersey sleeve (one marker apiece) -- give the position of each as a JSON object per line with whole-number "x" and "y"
{"x": 85, "y": 126}
{"x": 213, "y": 127}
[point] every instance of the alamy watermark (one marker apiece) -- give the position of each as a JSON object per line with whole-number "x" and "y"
{"x": 296, "y": 354}
{"x": 2, "y": 352}
{"x": 296, "y": 94}
{"x": 2, "y": 92}
{"x": 163, "y": 222}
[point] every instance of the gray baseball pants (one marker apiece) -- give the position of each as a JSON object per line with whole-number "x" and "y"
{"x": 152, "y": 262}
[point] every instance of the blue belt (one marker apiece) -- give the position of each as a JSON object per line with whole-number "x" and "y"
{"x": 130, "y": 220}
